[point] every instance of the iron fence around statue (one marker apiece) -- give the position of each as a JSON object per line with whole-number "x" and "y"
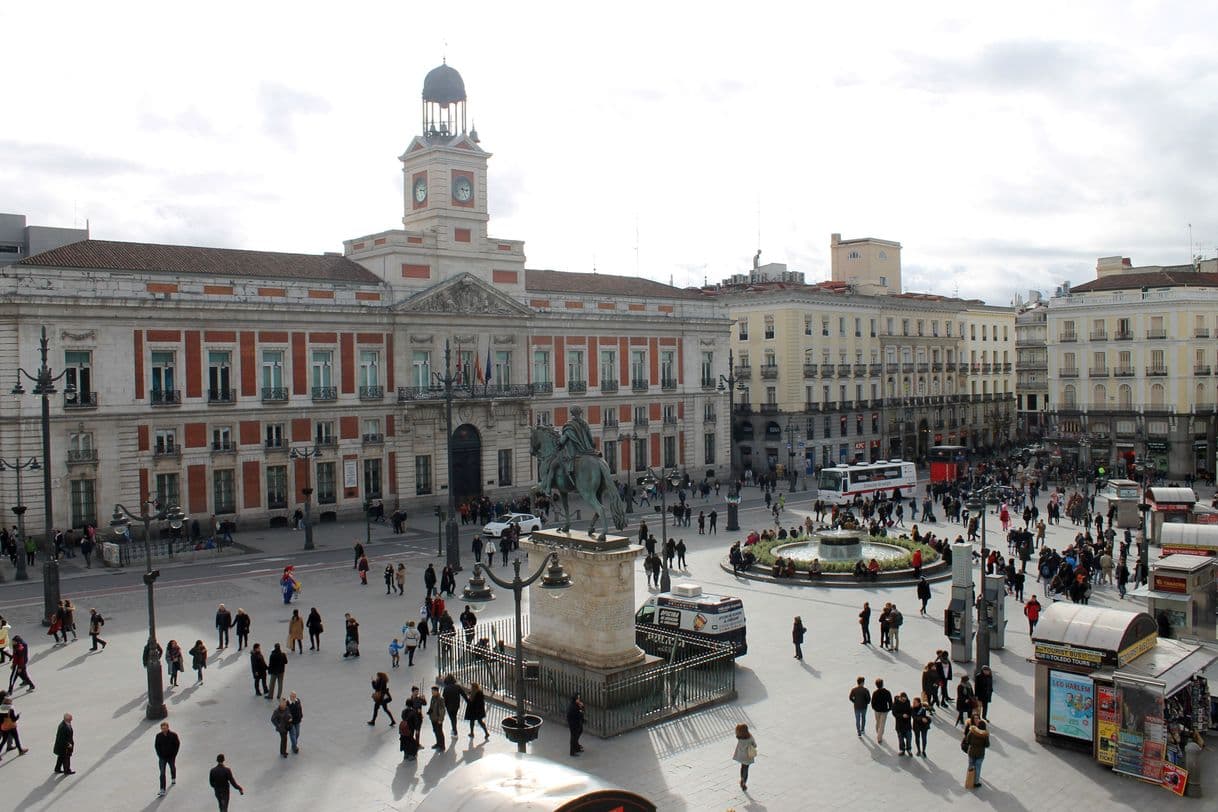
{"x": 689, "y": 673}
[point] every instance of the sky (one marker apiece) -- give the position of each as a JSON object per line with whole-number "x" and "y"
{"x": 1006, "y": 148}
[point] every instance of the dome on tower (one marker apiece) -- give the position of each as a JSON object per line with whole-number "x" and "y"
{"x": 443, "y": 85}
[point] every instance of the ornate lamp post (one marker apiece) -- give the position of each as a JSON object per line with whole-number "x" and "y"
{"x": 452, "y": 540}
{"x": 792, "y": 432}
{"x": 521, "y": 728}
{"x": 977, "y": 504}
{"x": 307, "y": 454}
{"x": 19, "y": 509}
{"x": 44, "y": 381}
{"x": 729, "y": 383}
{"x": 120, "y": 522}
{"x": 662, "y": 485}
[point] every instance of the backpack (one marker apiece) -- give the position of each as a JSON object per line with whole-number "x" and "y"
{"x": 897, "y": 619}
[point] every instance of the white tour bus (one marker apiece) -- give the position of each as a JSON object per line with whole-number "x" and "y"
{"x": 840, "y": 484}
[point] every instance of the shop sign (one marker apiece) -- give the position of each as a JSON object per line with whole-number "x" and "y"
{"x": 1069, "y": 655}
{"x": 1128, "y": 655}
{"x": 1156, "y": 445}
{"x": 1205, "y": 518}
{"x": 1105, "y": 724}
{"x": 1199, "y": 445}
{"x": 1169, "y": 583}
{"x": 1172, "y": 507}
{"x": 1175, "y": 778}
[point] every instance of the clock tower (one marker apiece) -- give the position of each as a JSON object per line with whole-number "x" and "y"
{"x": 444, "y": 168}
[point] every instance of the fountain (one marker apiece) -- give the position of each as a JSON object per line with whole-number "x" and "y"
{"x": 839, "y": 545}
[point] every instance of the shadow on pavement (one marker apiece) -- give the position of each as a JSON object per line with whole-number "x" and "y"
{"x": 438, "y": 766}
{"x": 130, "y": 706}
{"x": 404, "y": 777}
{"x": 70, "y": 783}
{"x": 76, "y": 662}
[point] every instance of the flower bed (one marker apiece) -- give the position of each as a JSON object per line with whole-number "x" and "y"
{"x": 765, "y": 556}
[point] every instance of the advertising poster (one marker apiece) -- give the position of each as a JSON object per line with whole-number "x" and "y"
{"x": 1175, "y": 778}
{"x": 1141, "y": 734}
{"x": 1071, "y": 705}
{"x": 1106, "y": 724}
{"x": 350, "y": 479}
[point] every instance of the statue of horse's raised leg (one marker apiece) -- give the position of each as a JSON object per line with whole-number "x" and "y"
{"x": 566, "y": 513}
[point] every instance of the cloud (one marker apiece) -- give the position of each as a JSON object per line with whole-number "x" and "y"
{"x": 58, "y": 160}
{"x": 282, "y": 105}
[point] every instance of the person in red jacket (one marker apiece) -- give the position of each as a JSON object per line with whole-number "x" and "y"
{"x": 1032, "y": 610}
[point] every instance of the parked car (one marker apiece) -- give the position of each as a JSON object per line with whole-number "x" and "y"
{"x": 527, "y": 523}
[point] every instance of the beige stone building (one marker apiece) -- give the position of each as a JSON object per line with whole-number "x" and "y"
{"x": 1131, "y": 363}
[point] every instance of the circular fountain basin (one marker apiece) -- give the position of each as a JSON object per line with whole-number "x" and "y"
{"x": 839, "y": 545}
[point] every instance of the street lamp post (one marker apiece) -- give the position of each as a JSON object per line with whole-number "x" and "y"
{"x": 662, "y": 484}
{"x": 19, "y": 509}
{"x": 728, "y": 383}
{"x": 452, "y": 540}
{"x": 477, "y": 594}
{"x": 44, "y": 381}
{"x": 119, "y": 523}
{"x": 978, "y": 504}
{"x": 307, "y": 454}
{"x": 791, "y": 433}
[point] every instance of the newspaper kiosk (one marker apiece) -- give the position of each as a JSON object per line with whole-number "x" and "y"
{"x": 1182, "y": 595}
{"x": 1105, "y": 683}
{"x": 1167, "y": 506}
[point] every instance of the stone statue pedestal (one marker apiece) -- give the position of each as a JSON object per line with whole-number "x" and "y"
{"x": 592, "y": 624}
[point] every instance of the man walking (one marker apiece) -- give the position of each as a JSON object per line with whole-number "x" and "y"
{"x": 1032, "y": 610}
{"x": 797, "y": 637}
{"x": 281, "y": 720}
{"x": 96, "y": 621}
{"x": 895, "y": 619}
{"x": 20, "y": 664}
{"x": 865, "y": 623}
{"x": 429, "y": 579}
{"x": 881, "y": 704}
{"x": 714, "y": 520}
{"x": 221, "y": 778}
{"x": 410, "y": 637}
{"x": 166, "y": 746}
{"x": 453, "y": 694}
{"x": 860, "y": 698}
{"x": 923, "y": 593}
{"x": 435, "y": 712}
{"x": 297, "y": 711}
{"x": 64, "y": 744}
{"x": 224, "y": 622}
{"x": 276, "y": 666}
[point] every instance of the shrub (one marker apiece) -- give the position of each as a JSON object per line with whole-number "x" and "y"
{"x": 764, "y": 550}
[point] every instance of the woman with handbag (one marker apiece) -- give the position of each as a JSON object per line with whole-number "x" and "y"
{"x": 381, "y": 698}
{"x": 746, "y": 753}
{"x": 198, "y": 654}
{"x": 173, "y": 661}
{"x": 9, "y": 740}
{"x": 921, "y": 725}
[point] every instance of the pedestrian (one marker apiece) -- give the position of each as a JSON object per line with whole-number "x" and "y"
{"x": 281, "y": 720}
{"x": 358, "y": 549}
{"x": 681, "y": 549}
{"x": 895, "y": 621}
{"x": 490, "y": 551}
{"x": 423, "y": 633}
{"x": 410, "y": 638}
{"x": 881, "y": 705}
{"x": 296, "y": 632}
{"x": 258, "y": 669}
{"x": 746, "y": 753}
{"x": 860, "y": 698}
{"x": 224, "y": 622}
{"x": 276, "y": 666}
{"x": 1031, "y": 610}
{"x": 221, "y": 778}
{"x": 797, "y": 637}
{"x": 395, "y": 653}
{"x": 362, "y": 567}
{"x": 174, "y": 661}
{"x": 399, "y": 579}
{"x": 983, "y": 689}
{"x": 64, "y": 745}
{"x": 429, "y": 578}
{"x": 944, "y": 664}
{"x": 865, "y": 623}
{"x": 468, "y": 623}
{"x": 151, "y": 656}
{"x": 198, "y": 662}
{"x": 964, "y": 700}
{"x": 505, "y": 546}
{"x": 976, "y": 739}
{"x": 930, "y": 684}
{"x": 902, "y": 716}
{"x": 6, "y": 632}
{"x": 9, "y": 737}
{"x": 453, "y": 694}
{"x": 575, "y": 723}
{"x": 242, "y": 623}
{"x": 315, "y": 629}
{"x": 389, "y": 579}
{"x": 69, "y": 620}
{"x": 921, "y": 725}
{"x": 435, "y": 713}
{"x": 20, "y": 665}
{"x": 351, "y": 640}
{"x": 381, "y": 698}
{"x": 96, "y": 621}
{"x": 408, "y": 731}
{"x": 167, "y": 744}
{"x": 477, "y": 547}
{"x": 475, "y": 710}
{"x": 296, "y": 709}
{"x": 923, "y": 593}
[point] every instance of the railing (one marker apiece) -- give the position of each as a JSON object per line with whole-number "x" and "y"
{"x": 709, "y": 384}
{"x": 167, "y": 451}
{"x": 810, "y": 407}
{"x": 1006, "y": 366}
{"x": 843, "y": 370}
{"x": 769, "y": 371}
{"x": 1156, "y": 371}
{"x": 639, "y": 385}
{"x": 577, "y": 387}
{"x": 1201, "y": 369}
{"x": 541, "y": 388}
{"x": 891, "y": 367}
{"x": 372, "y": 393}
{"x": 923, "y": 367}
{"x": 709, "y": 417}
{"x": 610, "y": 424}
{"x": 328, "y": 441}
{"x": 690, "y": 673}
{"x": 487, "y": 391}
{"x": 743, "y": 371}
{"x": 860, "y": 370}
{"x": 1099, "y": 335}
{"x": 374, "y": 438}
{"x": 325, "y": 393}
{"x": 936, "y": 366}
{"x": 221, "y": 396}
{"x": 329, "y": 498}
{"x": 809, "y": 370}
{"x": 1066, "y": 338}
{"x": 1098, "y": 372}
{"x": 769, "y": 408}
{"x": 1123, "y": 335}
{"x": 76, "y": 455}
{"x": 668, "y": 384}
{"x": 875, "y": 369}
{"x": 640, "y": 422}
{"x": 670, "y": 420}
{"x": 80, "y": 400}
{"x": 1201, "y": 332}
{"x": 274, "y": 394}
{"x": 1071, "y": 372}
{"x": 1156, "y": 334}
{"x": 223, "y": 446}
{"x": 165, "y": 397}
{"x": 608, "y": 387}
{"x": 275, "y": 445}
{"x": 827, "y": 370}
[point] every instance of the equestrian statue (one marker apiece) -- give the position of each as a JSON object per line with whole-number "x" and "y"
{"x": 569, "y": 463}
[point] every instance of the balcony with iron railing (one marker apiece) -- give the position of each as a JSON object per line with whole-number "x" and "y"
{"x": 810, "y": 370}
{"x": 891, "y": 367}
{"x": 222, "y": 396}
{"x": 165, "y": 397}
{"x": 81, "y": 455}
{"x": 274, "y": 394}
{"x": 935, "y": 366}
{"x": 372, "y": 392}
{"x": 639, "y": 385}
{"x": 744, "y": 371}
{"x": 907, "y": 367}
{"x": 1201, "y": 332}
{"x": 322, "y": 394}
{"x": 1068, "y": 372}
{"x": 373, "y": 438}
{"x": 1099, "y": 335}
{"x": 1098, "y": 372}
{"x": 769, "y": 408}
{"x": 80, "y": 400}
{"x": 843, "y": 370}
{"x": 709, "y": 384}
{"x": 325, "y": 441}
{"x": 769, "y": 371}
{"x": 860, "y": 370}
{"x": 875, "y": 370}
{"x": 670, "y": 420}
{"x": 577, "y": 387}
{"x": 1006, "y": 366}
{"x": 1123, "y": 372}
{"x": 608, "y": 387}
{"x": 223, "y": 446}
{"x": 640, "y": 422}
{"x": 826, "y": 370}
{"x": 1201, "y": 369}
{"x": 1156, "y": 371}
{"x": 810, "y": 407}
{"x": 1066, "y": 338}
{"x": 1156, "y": 334}
{"x": 668, "y": 384}
{"x": 609, "y": 424}
{"x": 275, "y": 444}
{"x": 1123, "y": 335}
{"x": 489, "y": 391}
{"x": 709, "y": 417}
{"x": 166, "y": 451}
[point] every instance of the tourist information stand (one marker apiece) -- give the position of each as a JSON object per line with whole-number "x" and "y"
{"x": 1182, "y": 596}
{"x": 1105, "y": 683}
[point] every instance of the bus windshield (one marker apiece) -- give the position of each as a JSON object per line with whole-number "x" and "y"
{"x": 829, "y": 481}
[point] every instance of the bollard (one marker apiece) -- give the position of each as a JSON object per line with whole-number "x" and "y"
{"x": 1192, "y": 763}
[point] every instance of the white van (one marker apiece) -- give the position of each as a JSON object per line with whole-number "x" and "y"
{"x": 687, "y": 609}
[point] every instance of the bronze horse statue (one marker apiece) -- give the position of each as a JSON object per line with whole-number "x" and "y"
{"x": 592, "y": 481}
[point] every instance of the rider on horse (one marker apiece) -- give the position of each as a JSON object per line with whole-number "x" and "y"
{"x": 574, "y": 440}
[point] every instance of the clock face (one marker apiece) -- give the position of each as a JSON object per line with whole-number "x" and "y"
{"x": 420, "y": 190}
{"x": 463, "y": 190}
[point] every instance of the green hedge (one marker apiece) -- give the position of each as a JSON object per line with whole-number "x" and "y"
{"x": 765, "y": 555}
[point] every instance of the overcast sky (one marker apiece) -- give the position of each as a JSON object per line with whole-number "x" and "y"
{"x": 1005, "y": 150}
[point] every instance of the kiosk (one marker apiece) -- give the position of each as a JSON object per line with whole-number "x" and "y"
{"x": 1118, "y": 499}
{"x": 1182, "y": 595}
{"x": 1105, "y": 683}
{"x": 1167, "y": 506}
{"x": 1189, "y": 539}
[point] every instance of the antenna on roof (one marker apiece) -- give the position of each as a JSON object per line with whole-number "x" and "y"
{"x": 594, "y": 263}
{"x": 636, "y": 243}
{"x": 1190, "y": 240}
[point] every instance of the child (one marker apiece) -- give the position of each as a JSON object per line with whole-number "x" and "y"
{"x": 395, "y": 651}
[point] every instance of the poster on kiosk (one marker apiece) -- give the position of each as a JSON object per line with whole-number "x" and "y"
{"x": 1141, "y": 731}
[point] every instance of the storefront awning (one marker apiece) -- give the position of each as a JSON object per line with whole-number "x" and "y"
{"x": 1171, "y": 662}
{"x": 1093, "y": 627}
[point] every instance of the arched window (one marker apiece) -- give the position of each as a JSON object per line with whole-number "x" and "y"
{"x": 1099, "y": 396}
{"x": 1125, "y": 396}
{"x": 853, "y": 255}
{"x": 883, "y": 255}
{"x": 1068, "y": 396}
{"x": 1157, "y": 394}
{"x": 1202, "y": 397}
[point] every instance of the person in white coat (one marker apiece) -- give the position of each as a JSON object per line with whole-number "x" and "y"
{"x": 746, "y": 753}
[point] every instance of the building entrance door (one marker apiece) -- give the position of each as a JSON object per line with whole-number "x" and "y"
{"x": 466, "y": 477}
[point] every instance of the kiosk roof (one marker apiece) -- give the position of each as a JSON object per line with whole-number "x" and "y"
{"x": 1093, "y": 627}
